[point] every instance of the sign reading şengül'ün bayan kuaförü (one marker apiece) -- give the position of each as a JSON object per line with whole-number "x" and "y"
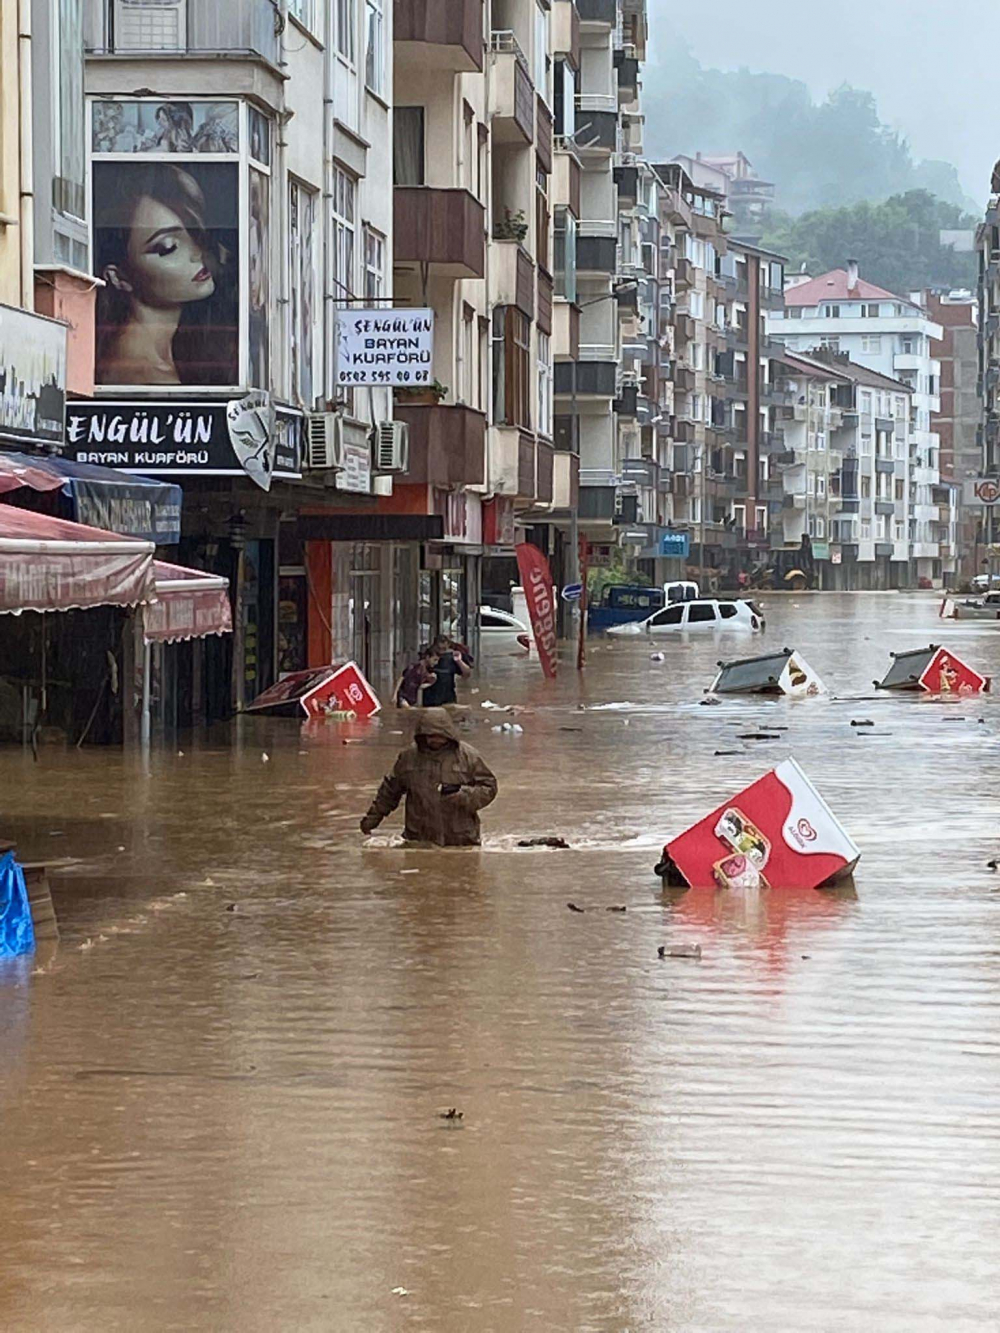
{"x": 388, "y": 347}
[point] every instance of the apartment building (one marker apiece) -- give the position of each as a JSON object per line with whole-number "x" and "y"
{"x": 891, "y": 335}
{"x": 958, "y": 422}
{"x": 987, "y": 522}
{"x": 601, "y": 151}
{"x": 257, "y": 142}
{"x": 46, "y": 291}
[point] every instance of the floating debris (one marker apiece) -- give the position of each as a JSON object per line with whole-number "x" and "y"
{"x": 548, "y": 841}
{"x": 573, "y": 907}
{"x": 452, "y": 1113}
{"x": 679, "y": 951}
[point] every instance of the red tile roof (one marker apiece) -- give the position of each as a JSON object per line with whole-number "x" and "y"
{"x": 833, "y": 286}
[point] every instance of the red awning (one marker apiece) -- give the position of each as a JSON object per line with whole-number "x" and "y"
{"x": 190, "y": 604}
{"x": 50, "y": 564}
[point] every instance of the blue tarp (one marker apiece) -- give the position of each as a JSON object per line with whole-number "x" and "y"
{"x": 17, "y": 934}
{"x": 119, "y": 502}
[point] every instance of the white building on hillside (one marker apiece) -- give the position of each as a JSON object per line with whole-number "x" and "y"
{"x": 892, "y": 335}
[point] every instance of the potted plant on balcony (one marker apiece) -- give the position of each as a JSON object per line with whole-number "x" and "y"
{"x": 511, "y": 227}
{"x": 420, "y": 395}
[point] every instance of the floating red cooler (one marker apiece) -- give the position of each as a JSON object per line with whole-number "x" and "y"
{"x": 934, "y": 670}
{"x": 319, "y": 691}
{"x": 777, "y": 833}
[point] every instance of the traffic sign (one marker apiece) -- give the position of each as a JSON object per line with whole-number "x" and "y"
{"x": 572, "y": 592}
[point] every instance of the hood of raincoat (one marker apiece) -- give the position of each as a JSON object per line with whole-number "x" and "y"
{"x": 437, "y": 722}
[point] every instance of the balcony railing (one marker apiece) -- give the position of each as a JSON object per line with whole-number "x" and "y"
{"x": 187, "y": 27}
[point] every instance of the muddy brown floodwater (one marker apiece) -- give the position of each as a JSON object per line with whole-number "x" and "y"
{"x": 223, "y": 1119}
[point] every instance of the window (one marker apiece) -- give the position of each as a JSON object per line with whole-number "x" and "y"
{"x": 564, "y": 254}
{"x": 374, "y": 47}
{"x": 908, "y": 344}
{"x": 696, "y": 305}
{"x": 899, "y": 489}
{"x": 302, "y": 214}
{"x": 68, "y": 184}
{"x": 820, "y": 527}
{"x": 486, "y": 621}
{"x": 346, "y": 38}
{"x": 726, "y": 610}
{"x": 543, "y": 61}
{"x": 700, "y": 613}
{"x": 869, "y": 311}
{"x": 820, "y": 486}
{"x": 408, "y": 145}
{"x": 374, "y": 265}
{"x": 344, "y": 195}
{"x": 866, "y": 488}
{"x": 467, "y": 356}
{"x": 866, "y": 402}
{"x": 511, "y": 360}
{"x": 794, "y": 312}
{"x": 468, "y": 164}
{"x": 831, "y": 344}
{"x": 673, "y": 615}
{"x": 871, "y": 343}
{"x": 304, "y": 12}
{"x": 564, "y": 93}
{"x": 542, "y": 218}
{"x": 544, "y": 419}
{"x": 832, "y": 311}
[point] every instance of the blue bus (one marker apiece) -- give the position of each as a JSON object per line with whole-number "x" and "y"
{"x": 621, "y": 603}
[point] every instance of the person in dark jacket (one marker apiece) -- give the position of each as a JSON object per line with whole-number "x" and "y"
{"x": 450, "y": 666}
{"x": 446, "y": 783}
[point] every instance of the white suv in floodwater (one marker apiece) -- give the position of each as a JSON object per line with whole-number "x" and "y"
{"x": 704, "y": 613}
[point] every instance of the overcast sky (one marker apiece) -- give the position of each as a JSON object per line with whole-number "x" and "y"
{"x": 933, "y": 65}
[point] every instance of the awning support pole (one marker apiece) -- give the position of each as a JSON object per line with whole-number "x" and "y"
{"x": 145, "y": 727}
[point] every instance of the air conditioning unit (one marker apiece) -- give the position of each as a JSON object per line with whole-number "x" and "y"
{"x": 391, "y": 446}
{"x": 325, "y": 442}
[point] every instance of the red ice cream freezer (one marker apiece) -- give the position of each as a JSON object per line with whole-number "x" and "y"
{"x": 776, "y": 833}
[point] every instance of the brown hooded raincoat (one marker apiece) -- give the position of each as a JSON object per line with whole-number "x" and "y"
{"x": 419, "y": 773}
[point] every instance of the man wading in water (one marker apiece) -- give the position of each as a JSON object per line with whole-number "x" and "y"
{"x": 445, "y": 782}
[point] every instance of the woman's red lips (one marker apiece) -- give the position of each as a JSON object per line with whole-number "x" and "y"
{"x": 202, "y": 275}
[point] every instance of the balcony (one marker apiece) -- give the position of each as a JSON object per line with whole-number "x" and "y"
{"x": 627, "y": 180}
{"x": 885, "y": 507}
{"x": 884, "y": 465}
{"x": 627, "y": 66}
{"x": 565, "y": 481}
{"x": 441, "y": 34}
{"x": 793, "y": 500}
{"x": 683, "y": 378}
{"x": 512, "y": 277}
{"x": 604, "y": 12}
{"x": 447, "y": 444}
{"x": 885, "y": 424}
{"x": 442, "y": 228}
{"x": 513, "y": 463}
{"x": 596, "y": 124}
{"x": 586, "y": 379}
{"x": 683, "y": 273}
{"x": 642, "y": 472}
{"x": 772, "y": 441}
{"x": 513, "y": 94}
{"x": 684, "y": 328}
{"x": 249, "y": 28}
{"x": 596, "y": 255}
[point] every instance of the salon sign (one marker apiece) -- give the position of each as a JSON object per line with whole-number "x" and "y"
{"x": 385, "y": 347}
{"x": 215, "y": 439}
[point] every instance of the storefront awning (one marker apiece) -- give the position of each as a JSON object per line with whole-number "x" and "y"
{"x": 189, "y": 605}
{"x": 51, "y": 564}
{"x": 100, "y": 496}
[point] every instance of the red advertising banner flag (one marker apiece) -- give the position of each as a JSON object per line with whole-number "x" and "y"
{"x": 536, "y": 579}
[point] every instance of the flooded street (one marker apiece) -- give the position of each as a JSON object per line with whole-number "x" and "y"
{"x": 231, "y": 1119}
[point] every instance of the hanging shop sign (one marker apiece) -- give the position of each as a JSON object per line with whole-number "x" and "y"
{"x": 498, "y": 521}
{"x": 675, "y": 543}
{"x": 202, "y": 439}
{"x": 356, "y": 473}
{"x": 463, "y": 516}
{"x": 387, "y": 347}
{"x": 32, "y": 376}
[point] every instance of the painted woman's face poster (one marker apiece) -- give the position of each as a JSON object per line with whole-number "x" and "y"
{"x": 166, "y": 246}
{"x": 165, "y": 127}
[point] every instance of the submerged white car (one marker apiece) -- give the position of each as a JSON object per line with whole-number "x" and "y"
{"x": 703, "y": 613}
{"x": 500, "y": 632}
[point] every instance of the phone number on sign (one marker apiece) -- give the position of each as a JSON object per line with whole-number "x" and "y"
{"x": 383, "y": 377}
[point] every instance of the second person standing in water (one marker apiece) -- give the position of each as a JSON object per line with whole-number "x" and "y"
{"x": 450, "y": 667}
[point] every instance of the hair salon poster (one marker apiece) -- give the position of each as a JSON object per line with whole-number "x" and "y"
{"x": 170, "y": 247}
